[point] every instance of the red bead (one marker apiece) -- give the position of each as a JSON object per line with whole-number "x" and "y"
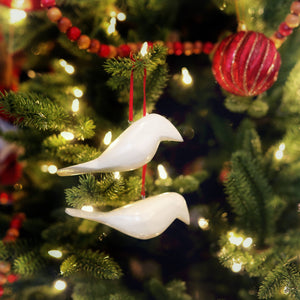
{"x": 73, "y": 33}
{"x": 124, "y": 50}
{"x": 188, "y": 48}
{"x": 11, "y": 278}
{"x": 3, "y": 279}
{"x": 170, "y": 47}
{"x": 94, "y": 46}
{"x": 1, "y": 291}
{"x": 113, "y": 51}
{"x": 83, "y": 42}
{"x": 178, "y": 48}
{"x": 208, "y": 47}
{"x": 54, "y": 14}
{"x": 3, "y": 198}
{"x": 284, "y": 29}
{"x": 5, "y": 267}
{"x": 104, "y": 51}
{"x": 16, "y": 223}
{"x": 246, "y": 63}
{"x": 198, "y": 46}
{"x": 13, "y": 232}
{"x": 64, "y": 24}
{"x": 48, "y": 3}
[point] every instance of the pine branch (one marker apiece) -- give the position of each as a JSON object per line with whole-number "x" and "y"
{"x": 120, "y": 70}
{"x": 285, "y": 276}
{"x": 108, "y": 191}
{"x": 61, "y": 231}
{"x": 250, "y": 195}
{"x": 28, "y": 264}
{"x": 106, "y": 290}
{"x": 35, "y": 111}
{"x": 94, "y": 264}
{"x": 4, "y": 253}
{"x": 174, "y": 290}
{"x": 248, "y": 140}
{"x": 290, "y": 100}
{"x": 74, "y": 153}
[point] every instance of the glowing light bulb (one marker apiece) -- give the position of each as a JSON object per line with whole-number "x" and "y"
{"x": 162, "y": 173}
{"x": 121, "y": 16}
{"x": 144, "y": 49}
{"x": 44, "y": 168}
{"x": 75, "y": 105}
{"x": 236, "y": 267}
{"x": 117, "y": 175}
{"x": 16, "y": 15}
{"x": 235, "y": 240}
{"x": 55, "y": 253}
{"x": 282, "y": 146}
{"x": 279, "y": 154}
{"x": 31, "y": 74}
{"x": 88, "y": 208}
{"x": 60, "y": 285}
{"x": 52, "y": 169}
{"x": 107, "y": 138}
{"x": 247, "y": 242}
{"x": 203, "y": 223}
{"x": 63, "y": 63}
{"x": 285, "y": 290}
{"x": 112, "y": 25}
{"x": 69, "y": 69}
{"x": 113, "y": 14}
{"x": 77, "y": 92}
{"x": 69, "y": 136}
{"x": 186, "y": 77}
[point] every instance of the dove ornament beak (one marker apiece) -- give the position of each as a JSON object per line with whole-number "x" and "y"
{"x": 143, "y": 219}
{"x": 134, "y": 148}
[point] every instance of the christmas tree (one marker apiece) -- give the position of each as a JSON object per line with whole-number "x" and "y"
{"x": 159, "y": 170}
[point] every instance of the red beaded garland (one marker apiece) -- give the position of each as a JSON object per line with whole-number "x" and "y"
{"x": 73, "y": 33}
{"x": 246, "y": 63}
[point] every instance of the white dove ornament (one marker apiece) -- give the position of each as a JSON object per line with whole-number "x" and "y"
{"x": 143, "y": 219}
{"x": 134, "y": 148}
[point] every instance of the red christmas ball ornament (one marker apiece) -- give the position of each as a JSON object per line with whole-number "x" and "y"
{"x": 246, "y": 63}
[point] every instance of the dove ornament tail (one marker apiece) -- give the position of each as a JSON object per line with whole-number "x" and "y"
{"x": 143, "y": 219}
{"x": 134, "y": 148}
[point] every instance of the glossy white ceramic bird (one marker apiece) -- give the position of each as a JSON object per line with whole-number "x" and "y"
{"x": 134, "y": 148}
{"x": 143, "y": 219}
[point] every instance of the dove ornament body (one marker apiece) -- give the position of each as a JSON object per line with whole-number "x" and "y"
{"x": 134, "y": 148}
{"x": 143, "y": 219}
